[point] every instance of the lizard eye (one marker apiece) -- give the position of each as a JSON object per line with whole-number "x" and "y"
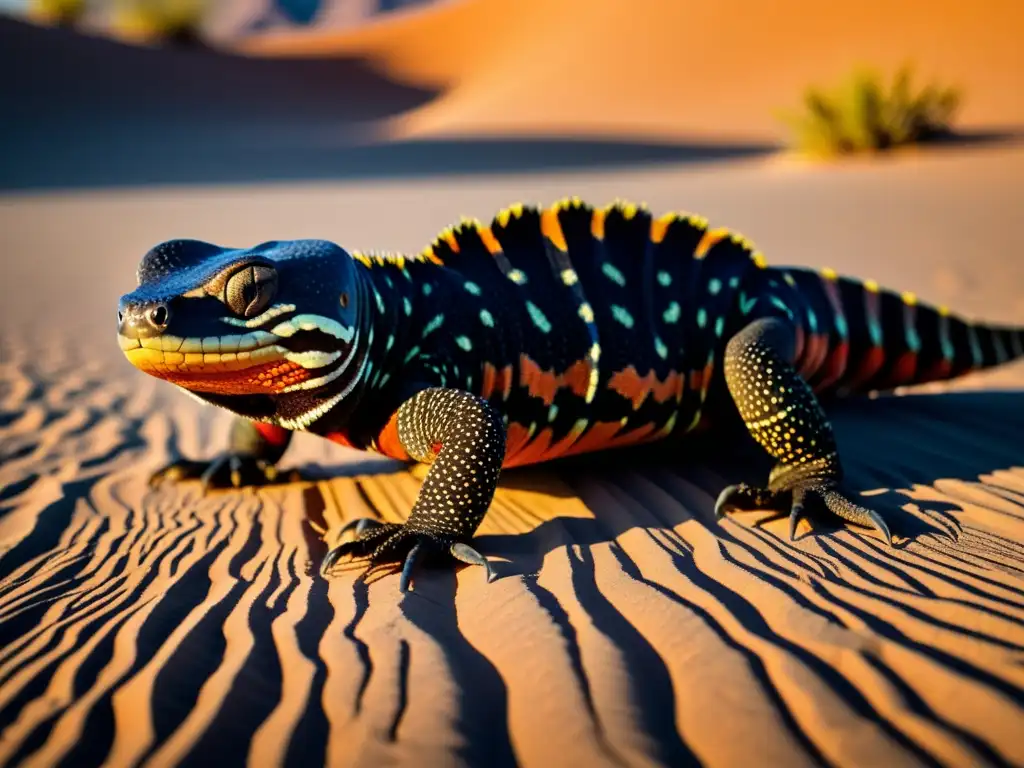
{"x": 249, "y": 290}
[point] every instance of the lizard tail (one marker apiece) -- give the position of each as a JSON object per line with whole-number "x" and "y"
{"x": 894, "y": 340}
{"x": 952, "y": 346}
{"x": 855, "y": 336}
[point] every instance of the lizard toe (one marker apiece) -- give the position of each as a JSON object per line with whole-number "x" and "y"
{"x": 380, "y": 544}
{"x": 427, "y": 546}
{"x": 229, "y": 470}
{"x": 466, "y": 554}
{"x": 796, "y": 511}
{"x": 841, "y": 506}
{"x": 745, "y": 498}
{"x": 805, "y": 496}
{"x": 410, "y": 563}
{"x": 360, "y": 525}
{"x": 367, "y": 543}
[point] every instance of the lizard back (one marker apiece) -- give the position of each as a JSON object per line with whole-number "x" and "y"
{"x": 591, "y": 328}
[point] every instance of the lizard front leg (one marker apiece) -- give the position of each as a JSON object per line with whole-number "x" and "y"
{"x": 783, "y": 415}
{"x": 463, "y": 437}
{"x": 251, "y": 459}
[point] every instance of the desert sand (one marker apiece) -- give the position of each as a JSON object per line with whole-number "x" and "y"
{"x": 718, "y": 71}
{"x": 627, "y": 625}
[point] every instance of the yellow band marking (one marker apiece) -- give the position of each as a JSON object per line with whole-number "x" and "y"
{"x": 551, "y": 228}
{"x": 659, "y": 227}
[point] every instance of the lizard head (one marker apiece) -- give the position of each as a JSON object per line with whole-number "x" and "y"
{"x": 270, "y": 332}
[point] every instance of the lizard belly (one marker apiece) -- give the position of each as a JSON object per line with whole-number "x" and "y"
{"x": 648, "y": 405}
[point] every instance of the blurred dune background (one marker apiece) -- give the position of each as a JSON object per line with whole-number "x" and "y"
{"x": 716, "y": 71}
{"x": 628, "y": 626}
{"x": 474, "y": 85}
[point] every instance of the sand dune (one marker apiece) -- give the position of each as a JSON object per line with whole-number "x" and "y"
{"x": 477, "y": 86}
{"x": 87, "y": 112}
{"x": 80, "y": 110}
{"x": 668, "y": 68}
{"x": 627, "y": 627}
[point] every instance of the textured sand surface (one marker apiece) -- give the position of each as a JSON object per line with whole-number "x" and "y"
{"x": 628, "y": 627}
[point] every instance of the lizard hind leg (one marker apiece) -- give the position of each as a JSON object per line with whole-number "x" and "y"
{"x": 782, "y": 414}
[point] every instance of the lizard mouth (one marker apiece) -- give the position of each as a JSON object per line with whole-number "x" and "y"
{"x": 252, "y": 363}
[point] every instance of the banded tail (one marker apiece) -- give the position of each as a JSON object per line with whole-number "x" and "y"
{"x": 858, "y": 337}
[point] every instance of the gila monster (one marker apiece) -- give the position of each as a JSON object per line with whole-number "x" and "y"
{"x": 546, "y": 333}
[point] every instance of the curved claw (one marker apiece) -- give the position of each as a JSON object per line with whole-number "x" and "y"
{"x": 329, "y": 560}
{"x": 235, "y": 464}
{"x": 215, "y": 466}
{"x": 410, "y": 563}
{"x": 360, "y": 524}
{"x": 367, "y": 545}
{"x": 795, "y": 511}
{"x": 795, "y": 499}
{"x": 879, "y": 524}
{"x": 794, "y": 520}
{"x": 339, "y": 550}
{"x": 466, "y": 554}
{"x": 855, "y": 513}
{"x": 722, "y": 502}
{"x": 387, "y": 542}
{"x": 743, "y": 497}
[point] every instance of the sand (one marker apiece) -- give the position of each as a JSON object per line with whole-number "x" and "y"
{"x": 626, "y": 626}
{"x": 480, "y": 86}
{"x": 669, "y": 69}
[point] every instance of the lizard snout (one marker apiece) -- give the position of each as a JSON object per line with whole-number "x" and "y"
{"x": 142, "y": 320}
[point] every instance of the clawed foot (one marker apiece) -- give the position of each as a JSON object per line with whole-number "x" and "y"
{"x": 230, "y": 470}
{"x": 796, "y": 501}
{"x": 385, "y": 543}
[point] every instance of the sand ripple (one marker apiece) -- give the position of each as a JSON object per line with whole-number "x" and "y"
{"x": 628, "y": 628}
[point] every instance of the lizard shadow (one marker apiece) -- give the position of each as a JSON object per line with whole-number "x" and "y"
{"x": 891, "y": 442}
{"x": 890, "y": 445}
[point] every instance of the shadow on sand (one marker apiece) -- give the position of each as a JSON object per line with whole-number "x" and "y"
{"x": 898, "y": 442}
{"x": 87, "y": 112}
{"x": 107, "y": 162}
{"x": 731, "y": 584}
{"x": 91, "y": 112}
{"x": 889, "y": 443}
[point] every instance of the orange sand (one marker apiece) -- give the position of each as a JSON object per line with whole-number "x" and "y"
{"x": 670, "y": 68}
{"x": 627, "y": 625}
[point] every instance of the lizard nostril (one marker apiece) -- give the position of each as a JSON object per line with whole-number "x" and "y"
{"x": 120, "y": 317}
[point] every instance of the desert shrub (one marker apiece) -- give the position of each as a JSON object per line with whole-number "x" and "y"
{"x": 60, "y": 12}
{"x": 171, "y": 21}
{"x": 862, "y": 115}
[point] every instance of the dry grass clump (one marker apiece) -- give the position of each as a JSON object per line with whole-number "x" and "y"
{"x": 171, "y": 21}
{"x": 64, "y": 13}
{"x": 863, "y": 115}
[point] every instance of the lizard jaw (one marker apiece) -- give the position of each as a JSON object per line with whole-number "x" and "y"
{"x": 245, "y": 364}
